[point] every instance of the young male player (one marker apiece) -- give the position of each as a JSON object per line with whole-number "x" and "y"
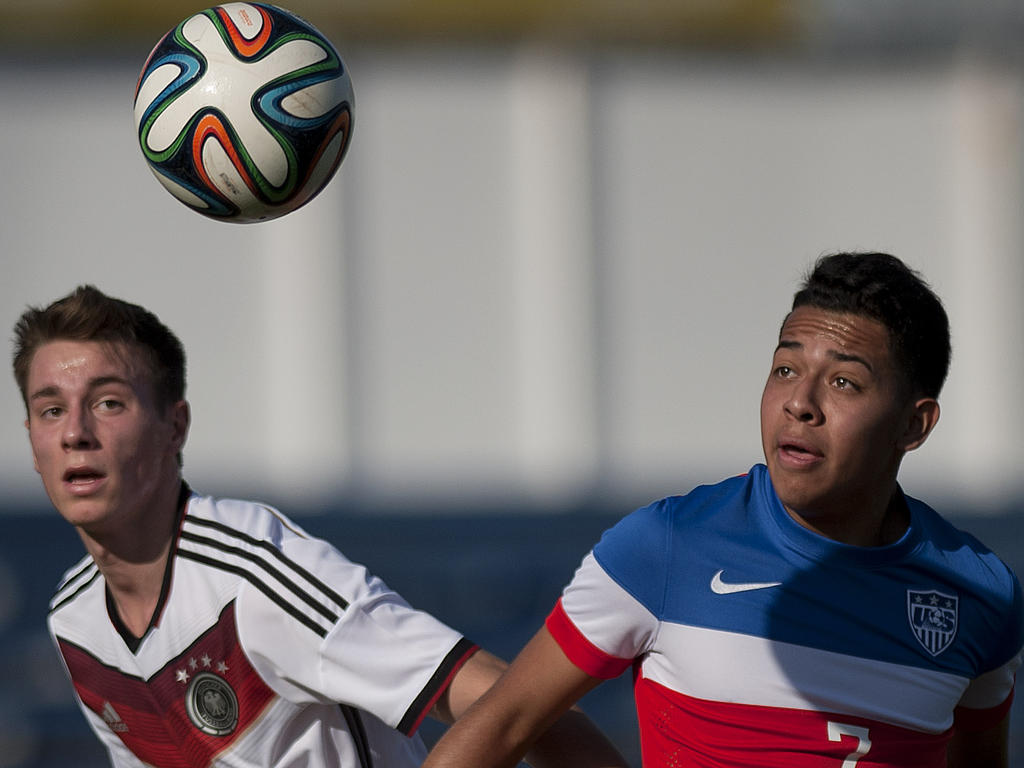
{"x": 807, "y": 614}
{"x": 203, "y": 632}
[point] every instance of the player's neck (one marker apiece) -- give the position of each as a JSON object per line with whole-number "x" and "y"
{"x": 866, "y": 528}
{"x": 133, "y": 560}
{"x": 135, "y": 589}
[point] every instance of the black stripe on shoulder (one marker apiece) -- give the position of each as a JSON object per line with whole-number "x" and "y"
{"x": 84, "y": 586}
{"x": 437, "y": 683}
{"x": 87, "y": 563}
{"x": 358, "y": 732}
{"x": 275, "y": 552}
{"x": 305, "y": 597}
{"x": 251, "y": 578}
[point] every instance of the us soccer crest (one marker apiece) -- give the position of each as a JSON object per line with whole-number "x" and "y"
{"x": 933, "y": 618}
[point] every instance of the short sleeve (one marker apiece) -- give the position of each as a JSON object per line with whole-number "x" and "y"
{"x": 976, "y": 710}
{"x": 607, "y": 616}
{"x": 341, "y": 635}
{"x": 988, "y": 697}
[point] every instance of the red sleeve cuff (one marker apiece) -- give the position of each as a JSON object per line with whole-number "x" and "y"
{"x": 581, "y": 651}
{"x": 438, "y": 684}
{"x": 966, "y": 719}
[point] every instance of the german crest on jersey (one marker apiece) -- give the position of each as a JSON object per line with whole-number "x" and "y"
{"x": 211, "y": 704}
{"x": 933, "y": 618}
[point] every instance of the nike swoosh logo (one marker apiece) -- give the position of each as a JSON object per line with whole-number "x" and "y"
{"x": 720, "y": 587}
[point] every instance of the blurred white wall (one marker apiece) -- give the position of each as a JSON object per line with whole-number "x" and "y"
{"x": 541, "y": 274}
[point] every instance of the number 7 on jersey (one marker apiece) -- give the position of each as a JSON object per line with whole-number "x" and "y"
{"x": 836, "y": 732}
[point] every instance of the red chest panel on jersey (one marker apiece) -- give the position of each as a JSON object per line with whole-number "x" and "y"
{"x": 681, "y": 730}
{"x": 187, "y": 713}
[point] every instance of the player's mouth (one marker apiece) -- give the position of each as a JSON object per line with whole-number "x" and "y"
{"x": 83, "y": 480}
{"x": 798, "y": 454}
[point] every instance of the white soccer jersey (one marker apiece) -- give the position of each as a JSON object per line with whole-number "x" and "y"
{"x": 269, "y": 649}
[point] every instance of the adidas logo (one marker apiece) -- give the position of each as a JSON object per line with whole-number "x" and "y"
{"x": 112, "y": 719}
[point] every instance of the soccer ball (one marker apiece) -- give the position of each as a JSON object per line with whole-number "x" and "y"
{"x": 244, "y": 112}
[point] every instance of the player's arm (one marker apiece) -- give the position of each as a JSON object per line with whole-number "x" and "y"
{"x": 980, "y": 749}
{"x": 526, "y": 712}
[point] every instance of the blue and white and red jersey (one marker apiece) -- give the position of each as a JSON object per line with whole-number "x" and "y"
{"x": 269, "y": 649}
{"x": 756, "y": 642}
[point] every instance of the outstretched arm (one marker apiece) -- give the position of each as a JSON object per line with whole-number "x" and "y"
{"x": 526, "y": 712}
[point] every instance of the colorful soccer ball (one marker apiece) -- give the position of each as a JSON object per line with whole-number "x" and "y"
{"x": 244, "y": 112}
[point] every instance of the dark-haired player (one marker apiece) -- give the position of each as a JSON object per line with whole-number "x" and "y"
{"x": 808, "y": 614}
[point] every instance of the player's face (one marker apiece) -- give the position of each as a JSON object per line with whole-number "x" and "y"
{"x": 836, "y": 418}
{"x": 104, "y": 447}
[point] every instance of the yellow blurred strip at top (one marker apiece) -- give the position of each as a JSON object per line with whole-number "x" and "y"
{"x": 728, "y": 22}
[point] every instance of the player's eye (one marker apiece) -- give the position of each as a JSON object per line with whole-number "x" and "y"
{"x": 841, "y": 382}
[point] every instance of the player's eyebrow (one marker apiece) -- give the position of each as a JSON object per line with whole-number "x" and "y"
{"x": 99, "y": 381}
{"x": 842, "y": 357}
{"x": 847, "y": 358}
{"x": 44, "y": 393}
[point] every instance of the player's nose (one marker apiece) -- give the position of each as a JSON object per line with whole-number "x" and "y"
{"x": 79, "y": 429}
{"x": 803, "y": 402}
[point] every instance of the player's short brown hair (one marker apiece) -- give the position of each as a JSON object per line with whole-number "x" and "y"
{"x": 88, "y": 314}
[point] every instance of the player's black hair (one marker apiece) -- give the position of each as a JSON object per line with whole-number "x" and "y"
{"x": 87, "y": 314}
{"x": 882, "y": 287}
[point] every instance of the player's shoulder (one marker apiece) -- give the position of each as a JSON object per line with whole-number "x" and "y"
{"x": 962, "y": 555}
{"x": 75, "y": 582}
{"x": 653, "y": 531}
{"x": 701, "y": 502}
{"x": 237, "y": 518}
{"x": 78, "y": 603}
{"x": 251, "y": 542}
{"x": 986, "y": 586}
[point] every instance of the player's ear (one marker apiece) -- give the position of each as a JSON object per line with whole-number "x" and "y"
{"x": 181, "y": 417}
{"x": 923, "y": 417}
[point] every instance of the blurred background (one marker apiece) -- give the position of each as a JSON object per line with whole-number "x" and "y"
{"x": 543, "y": 289}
